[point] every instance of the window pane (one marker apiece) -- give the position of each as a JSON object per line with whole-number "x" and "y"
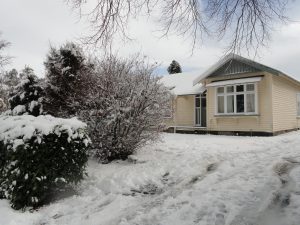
{"x": 203, "y": 112}
{"x": 203, "y": 102}
{"x": 197, "y": 101}
{"x": 220, "y": 104}
{"x": 239, "y": 88}
{"x": 220, "y": 90}
{"x": 250, "y": 102}
{"x": 240, "y": 104}
{"x": 250, "y": 87}
{"x": 230, "y": 104}
{"x": 229, "y": 89}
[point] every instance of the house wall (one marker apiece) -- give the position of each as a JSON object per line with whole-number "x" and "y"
{"x": 285, "y": 104}
{"x": 277, "y": 107}
{"x": 257, "y": 123}
{"x": 184, "y": 111}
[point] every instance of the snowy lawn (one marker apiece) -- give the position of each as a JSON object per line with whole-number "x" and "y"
{"x": 185, "y": 180}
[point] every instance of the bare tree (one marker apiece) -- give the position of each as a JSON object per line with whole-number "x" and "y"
{"x": 4, "y": 59}
{"x": 126, "y": 107}
{"x": 244, "y": 23}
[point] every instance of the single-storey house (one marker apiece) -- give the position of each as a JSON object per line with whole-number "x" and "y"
{"x": 235, "y": 96}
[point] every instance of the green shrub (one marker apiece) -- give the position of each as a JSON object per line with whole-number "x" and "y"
{"x": 40, "y": 156}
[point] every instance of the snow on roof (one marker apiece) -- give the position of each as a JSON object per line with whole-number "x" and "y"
{"x": 182, "y": 83}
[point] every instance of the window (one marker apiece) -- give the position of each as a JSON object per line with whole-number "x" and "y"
{"x": 239, "y": 88}
{"x": 298, "y": 104}
{"x": 220, "y": 90}
{"x": 240, "y": 103}
{"x": 250, "y": 103}
{"x": 239, "y": 99}
{"x": 221, "y": 106}
{"x": 230, "y": 104}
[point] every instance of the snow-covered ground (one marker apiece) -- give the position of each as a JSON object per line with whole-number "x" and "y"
{"x": 185, "y": 180}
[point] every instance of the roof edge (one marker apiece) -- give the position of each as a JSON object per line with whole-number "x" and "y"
{"x": 249, "y": 62}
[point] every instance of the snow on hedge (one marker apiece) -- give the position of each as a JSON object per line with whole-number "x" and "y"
{"x": 39, "y": 157}
{"x": 26, "y": 126}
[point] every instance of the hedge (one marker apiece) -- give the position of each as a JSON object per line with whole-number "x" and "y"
{"x": 40, "y": 156}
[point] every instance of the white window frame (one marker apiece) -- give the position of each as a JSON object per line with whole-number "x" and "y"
{"x": 199, "y": 96}
{"x": 297, "y": 101}
{"x": 235, "y": 93}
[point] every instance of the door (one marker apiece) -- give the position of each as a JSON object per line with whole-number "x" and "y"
{"x": 200, "y": 110}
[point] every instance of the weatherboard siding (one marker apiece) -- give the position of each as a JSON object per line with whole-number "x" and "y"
{"x": 285, "y": 104}
{"x": 184, "y": 110}
{"x": 261, "y": 122}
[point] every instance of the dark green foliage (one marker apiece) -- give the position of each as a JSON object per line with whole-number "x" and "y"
{"x": 32, "y": 172}
{"x": 174, "y": 68}
{"x": 67, "y": 79}
{"x": 27, "y": 95}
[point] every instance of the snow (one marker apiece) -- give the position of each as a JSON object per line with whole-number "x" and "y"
{"x": 185, "y": 180}
{"x": 4, "y": 87}
{"x": 18, "y": 110}
{"x": 182, "y": 83}
{"x": 26, "y": 126}
{"x": 32, "y": 105}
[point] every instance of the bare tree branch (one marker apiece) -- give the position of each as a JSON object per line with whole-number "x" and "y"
{"x": 243, "y": 24}
{"x": 4, "y": 59}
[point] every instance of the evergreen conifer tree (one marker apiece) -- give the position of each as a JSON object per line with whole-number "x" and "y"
{"x": 174, "y": 68}
{"x": 66, "y": 78}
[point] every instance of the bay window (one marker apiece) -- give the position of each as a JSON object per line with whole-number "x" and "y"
{"x": 236, "y": 99}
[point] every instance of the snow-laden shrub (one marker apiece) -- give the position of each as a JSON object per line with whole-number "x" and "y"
{"x": 26, "y": 98}
{"x": 40, "y": 156}
{"x": 8, "y": 80}
{"x": 127, "y": 107}
{"x": 2, "y": 105}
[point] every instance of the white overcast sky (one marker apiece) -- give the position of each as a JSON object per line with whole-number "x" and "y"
{"x": 31, "y": 25}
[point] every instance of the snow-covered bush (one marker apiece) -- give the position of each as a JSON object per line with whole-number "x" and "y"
{"x": 40, "y": 156}
{"x": 67, "y": 80}
{"x": 127, "y": 107}
{"x": 2, "y": 105}
{"x": 11, "y": 78}
{"x": 8, "y": 79}
{"x": 26, "y": 98}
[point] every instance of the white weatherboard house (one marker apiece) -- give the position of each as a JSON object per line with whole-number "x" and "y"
{"x": 234, "y": 96}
